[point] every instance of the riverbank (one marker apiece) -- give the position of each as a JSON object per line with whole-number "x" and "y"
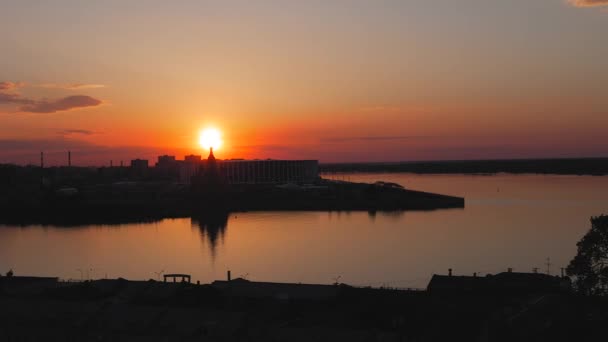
{"x": 561, "y": 166}
{"x": 148, "y": 201}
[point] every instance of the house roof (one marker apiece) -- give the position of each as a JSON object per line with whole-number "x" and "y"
{"x": 501, "y": 281}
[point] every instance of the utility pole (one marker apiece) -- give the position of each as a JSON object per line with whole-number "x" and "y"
{"x": 42, "y": 160}
{"x": 548, "y": 266}
{"x": 69, "y": 158}
{"x": 562, "y": 271}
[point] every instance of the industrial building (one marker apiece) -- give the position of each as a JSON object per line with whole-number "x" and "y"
{"x": 189, "y": 167}
{"x": 232, "y": 171}
{"x": 268, "y": 171}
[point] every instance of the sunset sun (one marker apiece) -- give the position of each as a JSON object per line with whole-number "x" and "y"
{"x": 210, "y": 138}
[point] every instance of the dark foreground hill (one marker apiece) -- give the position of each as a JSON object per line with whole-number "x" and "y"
{"x": 42, "y": 309}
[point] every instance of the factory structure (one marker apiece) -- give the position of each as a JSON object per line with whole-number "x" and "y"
{"x": 269, "y": 171}
{"x": 234, "y": 171}
{"x": 231, "y": 171}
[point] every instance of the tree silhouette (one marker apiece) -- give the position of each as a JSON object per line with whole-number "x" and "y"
{"x": 589, "y": 268}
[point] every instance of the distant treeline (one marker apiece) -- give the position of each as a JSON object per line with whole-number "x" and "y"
{"x": 579, "y": 166}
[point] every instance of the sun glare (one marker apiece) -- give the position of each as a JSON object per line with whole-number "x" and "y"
{"x": 210, "y": 138}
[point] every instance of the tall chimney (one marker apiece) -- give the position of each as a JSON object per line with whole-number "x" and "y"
{"x": 449, "y": 272}
{"x": 228, "y": 273}
{"x": 69, "y": 158}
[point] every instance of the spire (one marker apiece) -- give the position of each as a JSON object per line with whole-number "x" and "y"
{"x": 211, "y": 156}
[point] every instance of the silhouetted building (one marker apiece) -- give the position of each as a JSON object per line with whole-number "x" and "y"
{"x": 209, "y": 184}
{"x": 189, "y": 167}
{"x": 139, "y": 164}
{"x": 139, "y": 168}
{"x": 193, "y": 158}
{"x": 269, "y": 171}
{"x": 167, "y": 167}
{"x": 211, "y": 162}
{"x": 501, "y": 283}
{"x": 165, "y": 161}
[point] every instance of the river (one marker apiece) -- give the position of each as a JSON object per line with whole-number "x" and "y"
{"x": 509, "y": 221}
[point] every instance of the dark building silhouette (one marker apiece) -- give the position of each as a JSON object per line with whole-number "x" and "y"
{"x": 139, "y": 168}
{"x": 193, "y": 158}
{"x": 167, "y": 167}
{"x": 269, "y": 171}
{"x": 209, "y": 185}
{"x": 211, "y": 163}
{"x": 139, "y": 164}
{"x": 189, "y": 167}
{"x": 501, "y": 283}
{"x": 165, "y": 161}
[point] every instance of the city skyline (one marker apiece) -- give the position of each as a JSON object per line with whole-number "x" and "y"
{"x": 337, "y": 82}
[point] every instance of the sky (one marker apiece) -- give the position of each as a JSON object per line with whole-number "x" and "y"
{"x": 338, "y": 81}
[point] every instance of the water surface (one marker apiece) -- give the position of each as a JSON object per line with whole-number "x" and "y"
{"x": 515, "y": 221}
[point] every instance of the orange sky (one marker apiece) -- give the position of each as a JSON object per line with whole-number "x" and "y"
{"x": 356, "y": 81}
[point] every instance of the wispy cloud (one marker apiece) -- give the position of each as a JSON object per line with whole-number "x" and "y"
{"x": 380, "y": 109}
{"x": 10, "y": 95}
{"x": 7, "y": 85}
{"x": 18, "y": 146}
{"x": 372, "y": 138}
{"x": 63, "y": 104}
{"x": 66, "y": 132}
{"x": 71, "y": 86}
{"x": 588, "y": 3}
{"x": 14, "y": 98}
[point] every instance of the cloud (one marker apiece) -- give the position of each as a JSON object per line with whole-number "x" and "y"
{"x": 8, "y": 98}
{"x": 71, "y": 86}
{"x": 6, "y": 85}
{"x": 8, "y": 95}
{"x": 371, "y": 138}
{"x": 588, "y": 3}
{"x": 66, "y": 103}
{"x": 19, "y": 146}
{"x": 77, "y": 131}
{"x": 380, "y": 109}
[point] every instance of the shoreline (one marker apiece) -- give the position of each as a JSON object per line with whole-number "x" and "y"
{"x": 146, "y": 202}
{"x": 547, "y": 166}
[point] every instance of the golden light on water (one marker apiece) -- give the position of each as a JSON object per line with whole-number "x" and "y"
{"x": 210, "y": 138}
